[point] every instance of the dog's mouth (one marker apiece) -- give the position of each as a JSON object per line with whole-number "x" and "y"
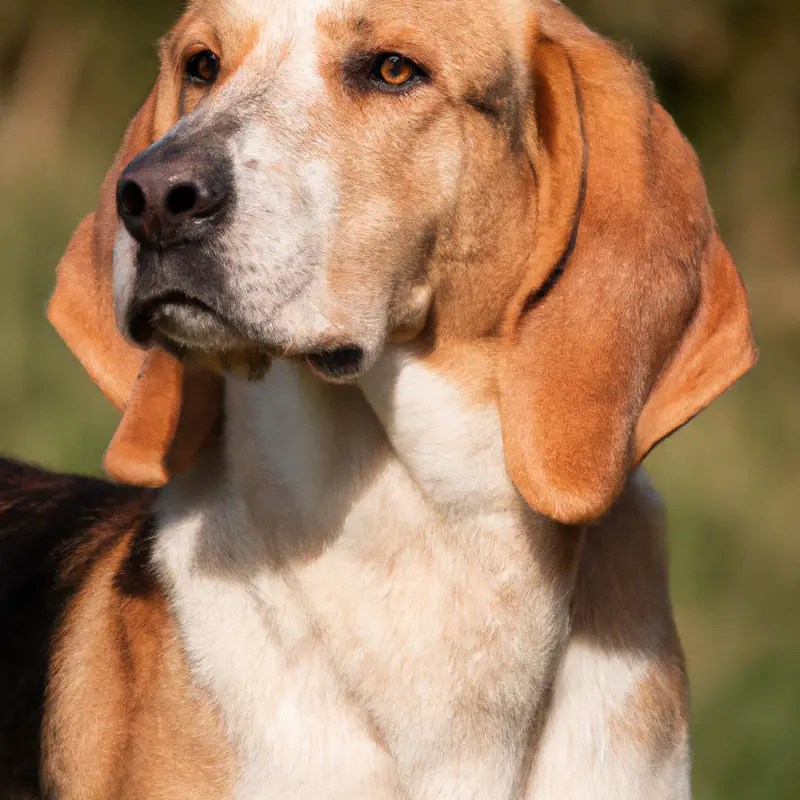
{"x": 184, "y": 320}
{"x": 191, "y": 330}
{"x": 338, "y": 364}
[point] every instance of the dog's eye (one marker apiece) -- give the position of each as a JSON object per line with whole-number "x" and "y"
{"x": 392, "y": 71}
{"x": 203, "y": 67}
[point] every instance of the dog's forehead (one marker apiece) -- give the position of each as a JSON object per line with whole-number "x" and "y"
{"x": 283, "y": 18}
{"x": 460, "y": 23}
{"x": 258, "y": 21}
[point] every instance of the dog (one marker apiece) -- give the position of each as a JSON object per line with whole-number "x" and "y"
{"x": 393, "y": 298}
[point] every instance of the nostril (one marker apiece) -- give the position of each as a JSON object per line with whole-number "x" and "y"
{"x": 132, "y": 201}
{"x": 181, "y": 199}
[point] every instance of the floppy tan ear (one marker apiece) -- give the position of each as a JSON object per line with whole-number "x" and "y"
{"x": 168, "y": 411}
{"x": 632, "y": 317}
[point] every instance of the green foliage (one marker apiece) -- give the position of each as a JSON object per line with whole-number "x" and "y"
{"x": 71, "y": 77}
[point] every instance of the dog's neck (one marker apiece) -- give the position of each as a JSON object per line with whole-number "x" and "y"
{"x": 361, "y": 551}
{"x": 301, "y": 445}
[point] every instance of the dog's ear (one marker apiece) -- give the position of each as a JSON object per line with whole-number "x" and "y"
{"x": 168, "y": 410}
{"x": 632, "y": 317}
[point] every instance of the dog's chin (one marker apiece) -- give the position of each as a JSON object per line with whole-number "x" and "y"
{"x": 196, "y": 334}
{"x": 193, "y": 326}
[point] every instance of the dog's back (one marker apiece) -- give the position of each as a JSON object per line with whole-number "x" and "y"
{"x": 52, "y": 529}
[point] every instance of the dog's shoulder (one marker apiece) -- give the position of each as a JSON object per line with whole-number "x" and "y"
{"x": 54, "y": 527}
{"x": 54, "y": 531}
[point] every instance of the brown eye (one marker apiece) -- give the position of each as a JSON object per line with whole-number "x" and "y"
{"x": 394, "y": 71}
{"x": 203, "y": 67}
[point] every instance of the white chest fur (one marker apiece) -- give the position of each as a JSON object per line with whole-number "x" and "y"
{"x": 361, "y": 589}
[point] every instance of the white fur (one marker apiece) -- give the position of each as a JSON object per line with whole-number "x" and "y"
{"x": 579, "y": 757}
{"x": 459, "y": 461}
{"x": 123, "y": 274}
{"x": 285, "y": 18}
{"x": 359, "y": 640}
{"x": 365, "y": 600}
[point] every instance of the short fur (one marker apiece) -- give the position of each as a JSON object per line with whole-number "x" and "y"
{"x": 441, "y": 574}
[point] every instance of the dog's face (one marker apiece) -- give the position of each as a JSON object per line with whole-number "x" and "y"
{"x": 327, "y": 157}
{"x": 311, "y": 179}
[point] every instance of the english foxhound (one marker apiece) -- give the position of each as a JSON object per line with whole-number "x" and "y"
{"x": 394, "y": 298}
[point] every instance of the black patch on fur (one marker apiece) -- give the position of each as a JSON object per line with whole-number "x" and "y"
{"x": 53, "y": 529}
{"x": 135, "y": 576}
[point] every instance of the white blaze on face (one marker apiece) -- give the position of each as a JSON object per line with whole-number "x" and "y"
{"x": 285, "y": 17}
{"x": 287, "y": 36}
{"x": 274, "y": 250}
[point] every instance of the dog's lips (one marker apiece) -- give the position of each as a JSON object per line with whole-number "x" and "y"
{"x": 192, "y": 323}
{"x": 338, "y": 364}
{"x": 186, "y": 320}
{"x": 192, "y": 331}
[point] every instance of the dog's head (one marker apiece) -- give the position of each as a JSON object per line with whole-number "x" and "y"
{"x": 312, "y": 179}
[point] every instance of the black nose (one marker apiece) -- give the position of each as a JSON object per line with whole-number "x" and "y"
{"x": 171, "y": 195}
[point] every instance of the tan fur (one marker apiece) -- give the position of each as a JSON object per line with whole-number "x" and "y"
{"x": 124, "y": 720}
{"x": 626, "y": 350}
{"x": 450, "y": 574}
{"x": 657, "y": 718}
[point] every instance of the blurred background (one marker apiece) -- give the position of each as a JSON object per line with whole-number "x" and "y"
{"x": 71, "y": 76}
